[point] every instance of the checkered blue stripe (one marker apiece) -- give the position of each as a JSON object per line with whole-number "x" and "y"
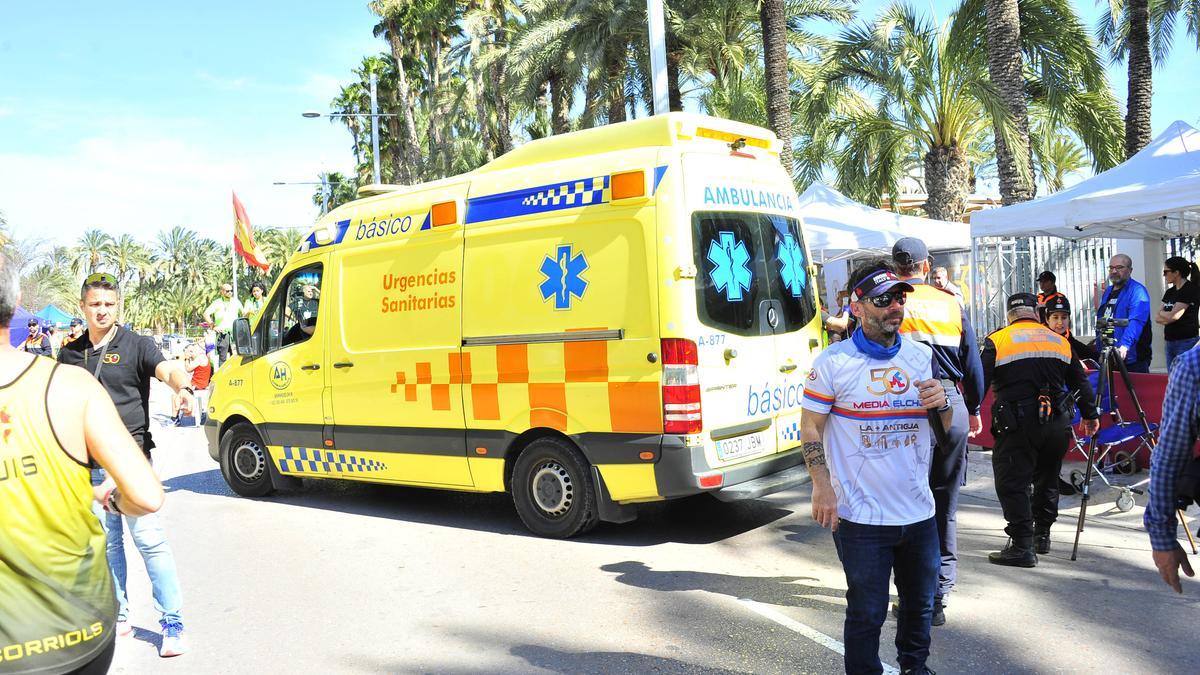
{"x": 579, "y": 193}
{"x": 791, "y": 432}
{"x": 312, "y": 460}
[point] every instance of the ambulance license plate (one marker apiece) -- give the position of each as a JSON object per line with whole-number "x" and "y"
{"x": 742, "y": 446}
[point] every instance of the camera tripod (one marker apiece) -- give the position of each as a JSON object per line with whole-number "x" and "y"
{"x": 1104, "y": 388}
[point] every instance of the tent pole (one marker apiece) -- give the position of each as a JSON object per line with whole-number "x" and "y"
{"x": 975, "y": 284}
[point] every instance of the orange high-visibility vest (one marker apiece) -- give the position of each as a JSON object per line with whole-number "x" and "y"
{"x": 933, "y": 316}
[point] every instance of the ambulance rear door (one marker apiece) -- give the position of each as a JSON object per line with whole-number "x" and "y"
{"x": 737, "y": 310}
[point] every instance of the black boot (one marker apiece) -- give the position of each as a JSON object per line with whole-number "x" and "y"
{"x": 1018, "y": 553}
{"x": 1041, "y": 540}
{"x": 939, "y": 612}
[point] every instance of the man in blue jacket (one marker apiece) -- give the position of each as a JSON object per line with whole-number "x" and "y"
{"x": 1126, "y": 298}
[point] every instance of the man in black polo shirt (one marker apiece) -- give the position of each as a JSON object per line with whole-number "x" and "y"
{"x": 124, "y": 362}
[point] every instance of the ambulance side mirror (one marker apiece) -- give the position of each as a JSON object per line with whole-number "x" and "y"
{"x": 243, "y": 339}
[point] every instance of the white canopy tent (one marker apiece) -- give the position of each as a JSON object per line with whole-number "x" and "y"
{"x": 1153, "y": 196}
{"x": 837, "y": 227}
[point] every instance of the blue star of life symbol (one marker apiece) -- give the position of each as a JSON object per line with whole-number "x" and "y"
{"x": 730, "y": 272}
{"x": 564, "y": 277}
{"x": 791, "y": 265}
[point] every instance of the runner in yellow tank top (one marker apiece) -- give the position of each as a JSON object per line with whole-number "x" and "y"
{"x": 57, "y": 606}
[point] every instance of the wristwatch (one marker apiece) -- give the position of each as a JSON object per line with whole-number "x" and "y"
{"x": 188, "y": 390}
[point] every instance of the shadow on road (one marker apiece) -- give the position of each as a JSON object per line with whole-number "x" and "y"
{"x": 700, "y": 519}
{"x": 202, "y": 483}
{"x": 557, "y": 661}
{"x": 780, "y": 591}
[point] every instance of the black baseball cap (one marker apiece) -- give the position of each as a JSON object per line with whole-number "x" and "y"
{"x": 77, "y": 322}
{"x": 1057, "y": 303}
{"x": 1019, "y": 300}
{"x": 909, "y": 250}
{"x": 1047, "y": 276}
{"x": 879, "y": 283}
{"x": 34, "y": 322}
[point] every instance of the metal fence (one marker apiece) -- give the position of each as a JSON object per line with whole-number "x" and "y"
{"x": 1011, "y": 265}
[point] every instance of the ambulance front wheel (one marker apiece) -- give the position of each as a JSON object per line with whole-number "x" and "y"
{"x": 245, "y": 462}
{"x": 553, "y": 490}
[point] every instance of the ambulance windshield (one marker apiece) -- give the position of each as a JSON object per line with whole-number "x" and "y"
{"x": 753, "y": 273}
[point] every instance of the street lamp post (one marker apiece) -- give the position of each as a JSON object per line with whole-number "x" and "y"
{"x": 374, "y": 115}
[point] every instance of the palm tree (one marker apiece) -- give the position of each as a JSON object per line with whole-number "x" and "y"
{"x": 94, "y": 247}
{"x": 349, "y": 104}
{"x": 1005, "y": 69}
{"x": 540, "y": 53}
{"x": 900, "y": 89}
{"x": 394, "y": 26}
{"x": 775, "y": 65}
{"x": 1056, "y": 157}
{"x": 1143, "y": 28}
{"x": 171, "y": 247}
{"x": 1064, "y": 71}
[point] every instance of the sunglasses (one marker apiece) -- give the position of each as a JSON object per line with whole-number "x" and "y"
{"x": 100, "y": 278}
{"x": 886, "y": 299}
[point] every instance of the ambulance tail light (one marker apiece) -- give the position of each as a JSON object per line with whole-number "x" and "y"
{"x": 681, "y": 387}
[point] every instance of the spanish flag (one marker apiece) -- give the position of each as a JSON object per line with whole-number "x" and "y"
{"x": 243, "y": 239}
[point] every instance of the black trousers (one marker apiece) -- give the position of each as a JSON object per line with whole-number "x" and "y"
{"x": 1030, "y": 454}
{"x": 223, "y": 347}
{"x": 947, "y": 474}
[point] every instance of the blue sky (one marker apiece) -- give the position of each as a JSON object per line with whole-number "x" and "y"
{"x": 138, "y": 116}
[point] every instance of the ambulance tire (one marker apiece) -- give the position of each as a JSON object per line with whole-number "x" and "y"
{"x": 553, "y": 491}
{"x": 245, "y": 463}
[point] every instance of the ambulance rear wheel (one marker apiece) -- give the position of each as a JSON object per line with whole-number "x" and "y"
{"x": 553, "y": 491}
{"x": 245, "y": 463}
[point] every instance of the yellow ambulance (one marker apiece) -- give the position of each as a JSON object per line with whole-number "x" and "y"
{"x": 599, "y": 319}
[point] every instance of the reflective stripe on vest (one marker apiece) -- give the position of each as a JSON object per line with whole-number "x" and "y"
{"x": 1029, "y": 340}
{"x": 932, "y": 316}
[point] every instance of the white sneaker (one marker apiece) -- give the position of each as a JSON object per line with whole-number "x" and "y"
{"x": 173, "y": 641}
{"x": 124, "y": 628}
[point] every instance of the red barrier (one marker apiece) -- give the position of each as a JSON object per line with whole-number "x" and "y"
{"x": 1150, "y": 389}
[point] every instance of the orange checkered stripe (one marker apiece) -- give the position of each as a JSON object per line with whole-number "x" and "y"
{"x": 565, "y": 386}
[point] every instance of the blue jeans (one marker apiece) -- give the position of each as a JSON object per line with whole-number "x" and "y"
{"x": 869, "y": 555}
{"x": 1177, "y": 347}
{"x": 151, "y": 541}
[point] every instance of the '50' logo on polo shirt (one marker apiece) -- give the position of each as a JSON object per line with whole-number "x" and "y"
{"x": 890, "y": 380}
{"x": 112, "y": 359}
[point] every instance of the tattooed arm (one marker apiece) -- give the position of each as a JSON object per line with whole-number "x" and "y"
{"x": 824, "y": 501}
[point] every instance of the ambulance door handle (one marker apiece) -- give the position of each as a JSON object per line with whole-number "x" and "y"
{"x": 311, "y": 366}
{"x": 787, "y": 368}
{"x": 344, "y": 364}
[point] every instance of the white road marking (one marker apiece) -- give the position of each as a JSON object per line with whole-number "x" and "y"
{"x": 809, "y": 632}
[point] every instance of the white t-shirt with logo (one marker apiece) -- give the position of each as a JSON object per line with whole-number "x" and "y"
{"x": 876, "y": 439}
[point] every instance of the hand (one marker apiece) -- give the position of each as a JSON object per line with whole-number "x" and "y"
{"x": 1122, "y": 351}
{"x": 184, "y": 401}
{"x": 932, "y": 394}
{"x": 1169, "y": 563}
{"x": 976, "y": 426}
{"x": 1089, "y": 427}
{"x": 824, "y": 505}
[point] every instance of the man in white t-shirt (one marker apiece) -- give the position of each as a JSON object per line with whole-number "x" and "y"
{"x": 866, "y": 435}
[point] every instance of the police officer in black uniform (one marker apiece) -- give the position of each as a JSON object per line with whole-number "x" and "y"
{"x": 1032, "y": 373}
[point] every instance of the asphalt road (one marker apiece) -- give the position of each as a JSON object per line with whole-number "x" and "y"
{"x": 356, "y": 578}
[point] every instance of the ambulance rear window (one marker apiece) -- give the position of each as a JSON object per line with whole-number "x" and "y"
{"x": 751, "y": 266}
